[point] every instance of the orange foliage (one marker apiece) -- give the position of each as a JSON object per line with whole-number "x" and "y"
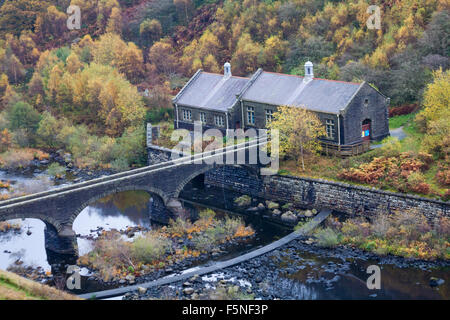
{"x": 402, "y": 172}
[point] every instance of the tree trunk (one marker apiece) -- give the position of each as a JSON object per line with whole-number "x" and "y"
{"x": 303, "y": 160}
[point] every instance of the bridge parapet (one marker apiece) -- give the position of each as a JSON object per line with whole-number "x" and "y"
{"x": 60, "y": 207}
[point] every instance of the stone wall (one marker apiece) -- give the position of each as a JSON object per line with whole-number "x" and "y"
{"x": 157, "y": 154}
{"x": 316, "y": 193}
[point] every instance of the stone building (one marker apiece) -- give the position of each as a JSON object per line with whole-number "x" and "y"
{"x": 352, "y": 113}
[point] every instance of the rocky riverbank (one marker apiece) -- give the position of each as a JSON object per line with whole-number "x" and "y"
{"x": 301, "y": 270}
{"x": 34, "y": 177}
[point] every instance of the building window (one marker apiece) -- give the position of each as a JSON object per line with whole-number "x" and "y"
{"x": 366, "y": 102}
{"x": 251, "y": 115}
{"x": 269, "y": 116}
{"x": 203, "y": 117}
{"x": 187, "y": 115}
{"x": 219, "y": 121}
{"x": 330, "y": 129}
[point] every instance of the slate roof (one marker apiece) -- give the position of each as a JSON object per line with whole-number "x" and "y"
{"x": 211, "y": 91}
{"x": 317, "y": 95}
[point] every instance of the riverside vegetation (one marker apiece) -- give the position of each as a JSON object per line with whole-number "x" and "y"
{"x": 115, "y": 258}
{"x": 406, "y": 234}
{"x": 88, "y": 92}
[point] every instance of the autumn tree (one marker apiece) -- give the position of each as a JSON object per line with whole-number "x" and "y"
{"x": 245, "y": 58}
{"x": 111, "y": 50}
{"x": 48, "y": 130}
{"x": 115, "y": 21}
{"x": 3, "y": 84}
{"x": 130, "y": 63}
{"x": 299, "y": 131}
{"x": 11, "y": 65}
{"x": 162, "y": 56}
{"x": 434, "y": 119}
{"x": 19, "y": 15}
{"x": 5, "y": 140}
{"x": 73, "y": 63}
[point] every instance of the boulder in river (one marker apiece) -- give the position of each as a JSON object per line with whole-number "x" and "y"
{"x": 188, "y": 291}
{"x": 243, "y": 201}
{"x": 435, "y": 282}
{"x": 289, "y": 217}
{"x": 272, "y": 205}
{"x": 142, "y": 290}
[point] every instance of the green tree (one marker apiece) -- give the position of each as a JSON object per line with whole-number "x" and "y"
{"x": 23, "y": 116}
{"x": 48, "y": 130}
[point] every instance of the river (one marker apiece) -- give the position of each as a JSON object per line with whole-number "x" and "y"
{"x": 302, "y": 272}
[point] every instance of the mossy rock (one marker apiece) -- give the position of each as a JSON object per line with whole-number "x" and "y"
{"x": 287, "y": 206}
{"x": 243, "y": 201}
{"x": 272, "y": 205}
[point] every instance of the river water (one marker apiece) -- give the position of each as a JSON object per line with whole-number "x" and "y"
{"x": 131, "y": 209}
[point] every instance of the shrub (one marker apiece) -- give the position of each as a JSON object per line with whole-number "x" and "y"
{"x": 149, "y": 248}
{"x": 416, "y": 182}
{"x": 56, "y": 171}
{"x": 202, "y": 243}
{"x": 120, "y": 164}
{"x": 327, "y": 237}
{"x": 380, "y": 225}
{"x": 5, "y": 140}
{"x": 401, "y": 110}
{"x": 391, "y": 147}
{"x": 443, "y": 176}
{"x": 16, "y": 158}
{"x": 207, "y": 214}
{"x": 231, "y": 226}
{"x": 446, "y": 196}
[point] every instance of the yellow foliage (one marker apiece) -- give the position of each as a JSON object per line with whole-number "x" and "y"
{"x": 299, "y": 131}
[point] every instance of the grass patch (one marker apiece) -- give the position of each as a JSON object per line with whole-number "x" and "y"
{"x": 14, "y": 287}
{"x": 399, "y": 121}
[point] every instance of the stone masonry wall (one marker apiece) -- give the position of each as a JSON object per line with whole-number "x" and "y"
{"x": 157, "y": 154}
{"x": 346, "y": 198}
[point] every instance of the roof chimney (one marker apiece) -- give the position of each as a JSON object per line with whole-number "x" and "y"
{"x": 227, "y": 70}
{"x": 309, "y": 71}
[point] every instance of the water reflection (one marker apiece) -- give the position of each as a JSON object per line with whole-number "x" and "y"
{"x": 26, "y": 247}
{"x": 118, "y": 211}
{"x": 133, "y": 208}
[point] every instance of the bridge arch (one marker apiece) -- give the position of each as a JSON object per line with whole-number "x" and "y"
{"x": 252, "y": 169}
{"x": 97, "y": 197}
{"x": 42, "y": 217}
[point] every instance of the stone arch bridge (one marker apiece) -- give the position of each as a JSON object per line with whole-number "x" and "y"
{"x": 59, "y": 208}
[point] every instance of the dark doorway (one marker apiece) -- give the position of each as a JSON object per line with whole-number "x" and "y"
{"x": 238, "y": 125}
{"x": 366, "y": 130}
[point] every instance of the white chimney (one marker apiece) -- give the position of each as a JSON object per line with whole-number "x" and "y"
{"x": 309, "y": 71}
{"x": 227, "y": 70}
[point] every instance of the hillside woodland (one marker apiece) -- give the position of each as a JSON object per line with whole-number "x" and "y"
{"x": 80, "y": 91}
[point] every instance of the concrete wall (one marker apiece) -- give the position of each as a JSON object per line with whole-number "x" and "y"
{"x": 350, "y": 199}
